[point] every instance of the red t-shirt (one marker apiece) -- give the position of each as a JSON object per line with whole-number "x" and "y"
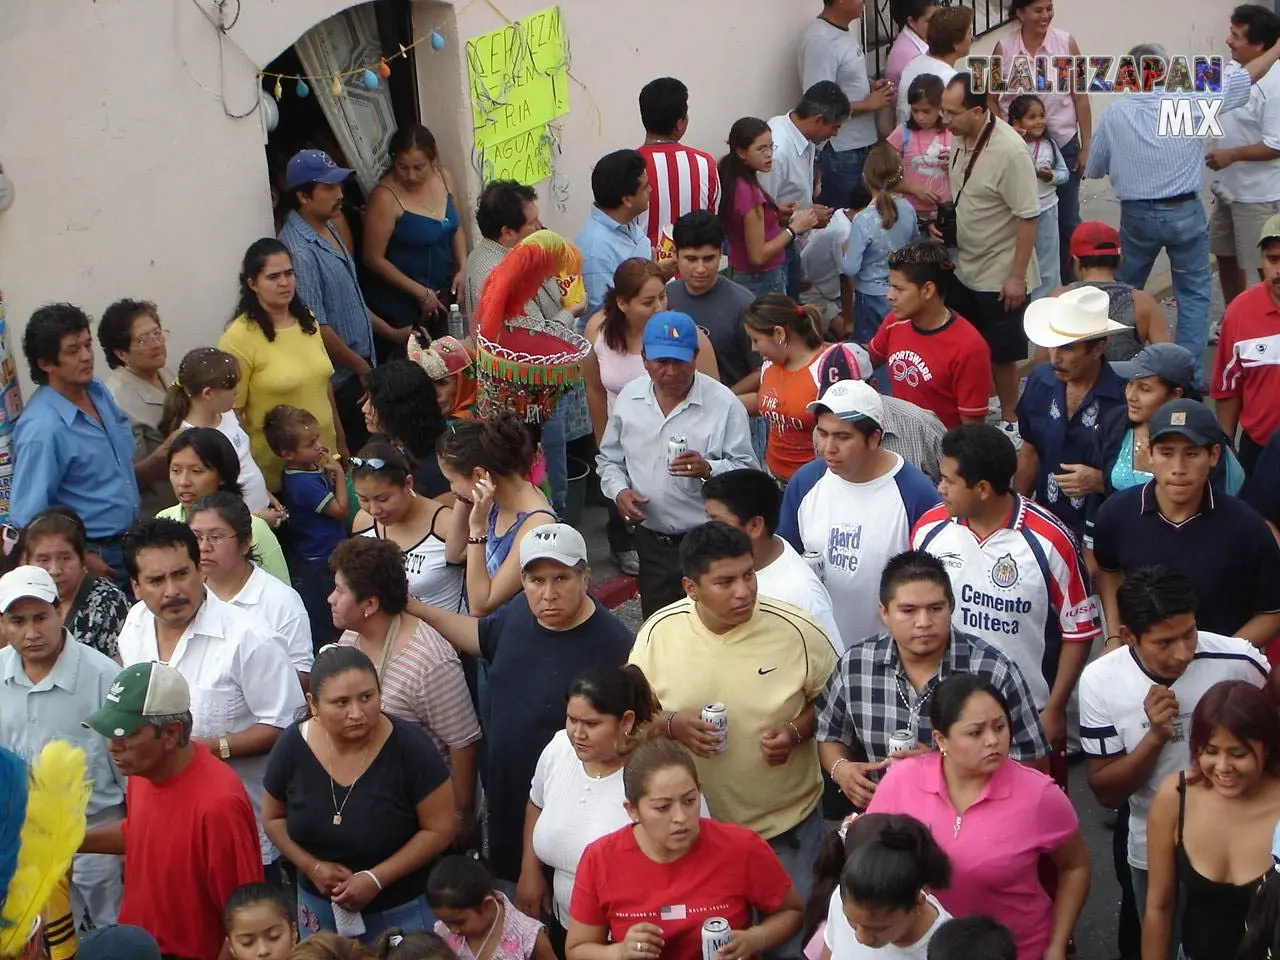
{"x": 947, "y": 370}
{"x": 681, "y": 180}
{"x": 1247, "y": 364}
{"x": 189, "y": 842}
{"x": 729, "y": 872}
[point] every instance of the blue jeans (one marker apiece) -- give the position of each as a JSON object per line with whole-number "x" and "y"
{"x": 555, "y": 448}
{"x": 759, "y": 437}
{"x": 112, "y": 554}
{"x": 767, "y": 281}
{"x": 841, "y": 171}
{"x": 1068, "y": 208}
{"x": 1182, "y": 230}
{"x": 315, "y": 914}
{"x": 1047, "y": 253}
{"x": 794, "y": 274}
{"x": 796, "y": 850}
{"x": 117, "y": 942}
{"x": 869, "y": 310}
{"x": 313, "y": 582}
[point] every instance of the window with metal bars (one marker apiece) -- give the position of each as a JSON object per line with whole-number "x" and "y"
{"x": 880, "y": 25}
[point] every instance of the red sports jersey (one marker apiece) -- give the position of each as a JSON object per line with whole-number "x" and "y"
{"x": 947, "y": 370}
{"x": 681, "y": 180}
{"x": 1247, "y": 364}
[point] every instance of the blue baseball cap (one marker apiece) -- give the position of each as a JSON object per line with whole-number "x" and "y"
{"x": 1168, "y": 361}
{"x": 671, "y": 335}
{"x": 313, "y": 166}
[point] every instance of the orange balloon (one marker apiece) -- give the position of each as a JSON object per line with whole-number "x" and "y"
{"x": 384, "y": 69}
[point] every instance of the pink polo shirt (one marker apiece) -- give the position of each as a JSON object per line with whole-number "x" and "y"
{"x": 906, "y": 48}
{"x": 1059, "y": 108}
{"x": 995, "y": 847}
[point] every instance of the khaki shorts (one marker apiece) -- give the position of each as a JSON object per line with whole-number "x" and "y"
{"x": 1234, "y": 229}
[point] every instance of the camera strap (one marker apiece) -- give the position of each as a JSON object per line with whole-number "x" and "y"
{"x": 973, "y": 157}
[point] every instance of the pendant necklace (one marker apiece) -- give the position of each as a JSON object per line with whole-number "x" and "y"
{"x": 333, "y": 788}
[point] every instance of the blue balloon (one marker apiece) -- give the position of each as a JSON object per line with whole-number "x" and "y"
{"x": 369, "y": 79}
{"x": 437, "y": 41}
{"x": 302, "y": 90}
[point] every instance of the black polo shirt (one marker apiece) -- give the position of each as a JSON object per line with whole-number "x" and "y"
{"x": 1226, "y": 550}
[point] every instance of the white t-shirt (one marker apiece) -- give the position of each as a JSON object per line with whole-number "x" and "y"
{"x": 843, "y": 942}
{"x": 576, "y": 810}
{"x": 278, "y": 606}
{"x": 251, "y": 479}
{"x": 828, "y": 52}
{"x": 1113, "y": 721}
{"x": 793, "y": 581}
{"x": 1258, "y": 121}
{"x": 917, "y": 68}
{"x": 1023, "y": 589}
{"x": 239, "y": 676}
{"x": 857, "y": 527}
{"x": 822, "y": 258}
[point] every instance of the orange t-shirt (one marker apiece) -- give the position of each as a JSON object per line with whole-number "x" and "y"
{"x": 782, "y": 398}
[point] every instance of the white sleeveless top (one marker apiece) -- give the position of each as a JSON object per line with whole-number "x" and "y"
{"x": 251, "y": 479}
{"x": 431, "y": 579}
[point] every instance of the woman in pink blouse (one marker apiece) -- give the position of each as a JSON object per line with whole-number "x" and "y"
{"x": 994, "y": 818}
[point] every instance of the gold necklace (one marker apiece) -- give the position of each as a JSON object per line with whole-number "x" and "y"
{"x": 333, "y": 787}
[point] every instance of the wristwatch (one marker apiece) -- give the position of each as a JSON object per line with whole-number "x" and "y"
{"x": 224, "y": 748}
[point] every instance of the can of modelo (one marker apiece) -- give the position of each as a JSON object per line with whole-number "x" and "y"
{"x": 715, "y": 714}
{"x": 817, "y": 563}
{"x": 675, "y": 446}
{"x": 902, "y": 741}
{"x": 715, "y": 936}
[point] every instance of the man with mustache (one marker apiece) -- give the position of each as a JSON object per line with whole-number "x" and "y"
{"x": 244, "y": 689}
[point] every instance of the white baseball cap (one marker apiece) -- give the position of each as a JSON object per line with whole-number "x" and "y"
{"x": 851, "y": 400}
{"x": 26, "y": 581}
{"x": 553, "y": 541}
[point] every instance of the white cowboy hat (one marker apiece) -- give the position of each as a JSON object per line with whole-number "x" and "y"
{"x": 1079, "y": 314}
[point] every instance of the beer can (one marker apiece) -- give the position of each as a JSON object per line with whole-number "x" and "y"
{"x": 676, "y": 445}
{"x": 715, "y": 936}
{"x": 902, "y": 741}
{"x": 817, "y": 563}
{"x": 715, "y": 714}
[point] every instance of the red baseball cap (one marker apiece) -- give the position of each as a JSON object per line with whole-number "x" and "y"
{"x": 1093, "y": 238}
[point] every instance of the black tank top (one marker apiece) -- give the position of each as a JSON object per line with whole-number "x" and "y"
{"x": 1213, "y": 913}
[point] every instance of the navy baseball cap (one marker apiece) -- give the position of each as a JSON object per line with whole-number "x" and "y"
{"x": 1186, "y": 418}
{"x": 313, "y": 166}
{"x": 1168, "y": 361}
{"x": 670, "y": 335}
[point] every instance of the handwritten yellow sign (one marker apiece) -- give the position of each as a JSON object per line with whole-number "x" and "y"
{"x": 524, "y": 158}
{"x": 519, "y": 78}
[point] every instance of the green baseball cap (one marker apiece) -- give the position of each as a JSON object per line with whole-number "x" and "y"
{"x": 140, "y": 692}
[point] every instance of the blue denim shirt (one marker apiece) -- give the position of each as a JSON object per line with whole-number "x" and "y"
{"x": 63, "y": 456}
{"x": 328, "y": 284}
{"x": 604, "y": 244}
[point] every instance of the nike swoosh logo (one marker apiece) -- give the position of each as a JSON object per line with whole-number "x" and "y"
{"x": 762, "y": 671}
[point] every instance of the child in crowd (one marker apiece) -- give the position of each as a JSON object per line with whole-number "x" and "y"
{"x": 203, "y": 396}
{"x": 259, "y": 923}
{"x": 397, "y": 944}
{"x": 331, "y": 946}
{"x": 1026, "y": 115}
{"x": 925, "y": 146}
{"x": 314, "y": 490}
{"x": 935, "y": 358}
{"x": 476, "y": 920}
{"x": 972, "y": 938}
{"x": 887, "y": 225}
{"x": 821, "y": 261}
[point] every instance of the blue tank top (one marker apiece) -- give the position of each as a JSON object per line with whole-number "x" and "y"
{"x": 421, "y": 248}
{"x": 498, "y": 547}
{"x": 1123, "y": 474}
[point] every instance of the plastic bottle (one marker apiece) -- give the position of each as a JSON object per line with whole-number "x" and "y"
{"x": 457, "y": 323}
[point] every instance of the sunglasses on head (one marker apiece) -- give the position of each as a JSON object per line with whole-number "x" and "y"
{"x": 373, "y": 463}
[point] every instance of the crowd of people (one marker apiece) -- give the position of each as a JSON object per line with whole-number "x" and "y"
{"x": 920, "y": 491}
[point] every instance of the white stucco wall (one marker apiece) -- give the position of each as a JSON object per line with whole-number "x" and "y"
{"x": 132, "y": 180}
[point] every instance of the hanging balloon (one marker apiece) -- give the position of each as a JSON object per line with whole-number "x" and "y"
{"x": 369, "y": 79}
{"x": 437, "y": 41}
{"x": 270, "y": 113}
{"x": 302, "y": 90}
{"x": 278, "y": 92}
{"x": 335, "y": 88}
{"x": 384, "y": 69}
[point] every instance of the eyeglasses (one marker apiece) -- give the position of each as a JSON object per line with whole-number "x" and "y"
{"x": 213, "y": 539}
{"x": 151, "y": 337}
{"x": 373, "y": 463}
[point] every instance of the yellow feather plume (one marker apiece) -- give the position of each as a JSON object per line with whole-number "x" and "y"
{"x": 57, "y": 798}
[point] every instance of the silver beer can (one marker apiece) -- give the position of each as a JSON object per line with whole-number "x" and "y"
{"x": 817, "y": 563}
{"x": 715, "y": 936}
{"x": 902, "y": 741}
{"x": 676, "y": 445}
{"x": 716, "y": 715}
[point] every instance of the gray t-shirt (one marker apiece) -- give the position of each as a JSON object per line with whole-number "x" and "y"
{"x": 718, "y": 312}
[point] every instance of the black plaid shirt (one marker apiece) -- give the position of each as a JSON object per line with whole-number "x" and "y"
{"x": 868, "y": 697}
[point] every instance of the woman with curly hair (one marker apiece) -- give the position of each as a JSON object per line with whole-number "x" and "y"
{"x": 401, "y": 406}
{"x": 276, "y": 339}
